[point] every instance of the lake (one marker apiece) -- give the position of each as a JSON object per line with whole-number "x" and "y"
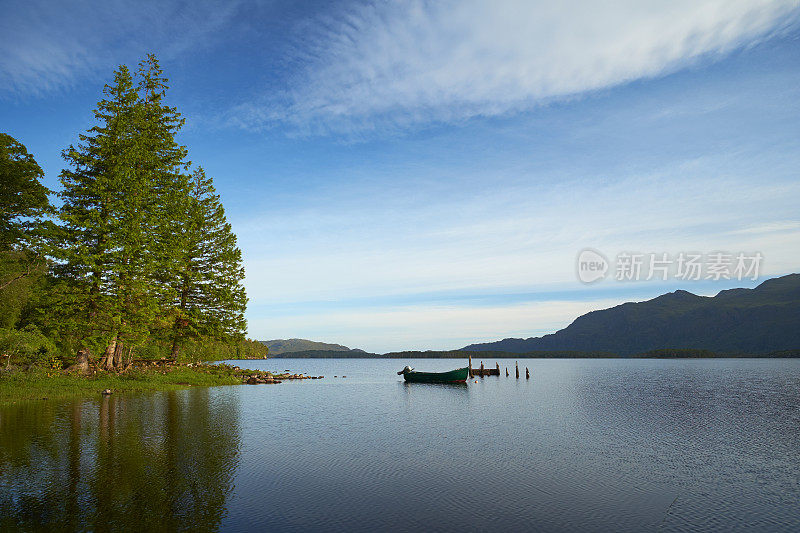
{"x": 584, "y": 445}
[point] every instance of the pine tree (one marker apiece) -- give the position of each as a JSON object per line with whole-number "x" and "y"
{"x": 211, "y": 298}
{"x": 164, "y": 161}
{"x": 104, "y": 248}
{"x": 143, "y": 247}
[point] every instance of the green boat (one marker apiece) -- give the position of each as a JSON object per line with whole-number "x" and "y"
{"x": 458, "y": 375}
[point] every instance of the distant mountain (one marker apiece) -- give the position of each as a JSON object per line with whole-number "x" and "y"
{"x": 326, "y": 354}
{"x": 281, "y": 346}
{"x": 736, "y": 321}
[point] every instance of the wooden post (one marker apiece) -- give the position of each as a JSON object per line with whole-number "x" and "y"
{"x": 516, "y": 363}
{"x": 497, "y": 366}
{"x": 470, "y": 365}
{"x": 506, "y": 371}
{"x": 527, "y": 374}
{"x": 481, "y": 368}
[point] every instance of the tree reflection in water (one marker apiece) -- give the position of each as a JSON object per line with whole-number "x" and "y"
{"x": 161, "y": 461}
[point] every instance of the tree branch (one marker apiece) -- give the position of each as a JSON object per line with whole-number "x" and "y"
{"x": 24, "y": 274}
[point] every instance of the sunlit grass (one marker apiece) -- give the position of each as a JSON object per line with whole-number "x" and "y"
{"x": 40, "y": 383}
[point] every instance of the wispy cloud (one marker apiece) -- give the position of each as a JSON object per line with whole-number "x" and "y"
{"x": 413, "y": 62}
{"x": 352, "y": 242}
{"x": 771, "y": 227}
{"x": 46, "y": 46}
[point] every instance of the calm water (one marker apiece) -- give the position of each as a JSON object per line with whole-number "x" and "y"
{"x": 592, "y": 445}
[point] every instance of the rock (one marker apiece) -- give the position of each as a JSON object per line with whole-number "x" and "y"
{"x": 252, "y": 380}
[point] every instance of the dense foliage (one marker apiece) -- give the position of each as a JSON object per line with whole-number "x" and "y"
{"x": 137, "y": 261}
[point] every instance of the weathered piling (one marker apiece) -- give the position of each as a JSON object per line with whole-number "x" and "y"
{"x": 483, "y": 371}
{"x": 516, "y": 364}
{"x": 527, "y": 373}
{"x": 470, "y": 366}
{"x": 506, "y": 371}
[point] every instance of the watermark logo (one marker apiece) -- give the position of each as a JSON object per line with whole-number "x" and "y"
{"x": 593, "y": 266}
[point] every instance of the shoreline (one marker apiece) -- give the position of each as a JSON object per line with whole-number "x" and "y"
{"x": 38, "y": 383}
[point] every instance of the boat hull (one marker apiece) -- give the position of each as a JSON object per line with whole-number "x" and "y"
{"x": 459, "y": 375}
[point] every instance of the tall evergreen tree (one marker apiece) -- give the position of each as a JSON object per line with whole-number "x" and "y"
{"x": 143, "y": 247}
{"x": 105, "y": 220}
{"x": 164, "y": 161}
{"x": 211, "y": 299}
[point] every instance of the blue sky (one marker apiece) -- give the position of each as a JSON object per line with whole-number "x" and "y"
{"x": 422, "y": 175}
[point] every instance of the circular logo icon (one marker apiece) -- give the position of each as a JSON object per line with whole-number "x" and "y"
{"x": 591, "y": 266}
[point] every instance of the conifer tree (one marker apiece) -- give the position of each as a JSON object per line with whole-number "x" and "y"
{"x": 164, "y": 162}
{"x": 105, "y": 218}
{"x": 211, "y": 299}
{"x": 142, "y": 246}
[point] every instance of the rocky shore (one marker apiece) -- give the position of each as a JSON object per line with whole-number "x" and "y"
{"x": 259, "y": 377}
{"x": 250, "y": 377}
{"x": 34, "y": 383}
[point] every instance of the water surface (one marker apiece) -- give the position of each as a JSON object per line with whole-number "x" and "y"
{"x": 592, "y": 445}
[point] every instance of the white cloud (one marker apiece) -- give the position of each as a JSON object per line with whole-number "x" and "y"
{"x": 352, "y": 243}
{"x": 771, "y": 227}
{"x": 396, "y": 64}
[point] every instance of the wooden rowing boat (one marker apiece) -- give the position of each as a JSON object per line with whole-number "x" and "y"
{"x": 458, "y": 375}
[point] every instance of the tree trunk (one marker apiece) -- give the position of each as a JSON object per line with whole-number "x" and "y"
{"x": 174, "y": 351}
{"x": 180, "y": 322}
{"x": 107, "y": 362}
{"x": 118, "y": 350}
{"x": 81, "y": 361}
{"x": 129, "y": 359}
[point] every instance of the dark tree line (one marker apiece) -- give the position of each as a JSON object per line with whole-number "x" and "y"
{"x": 139, "y": 250}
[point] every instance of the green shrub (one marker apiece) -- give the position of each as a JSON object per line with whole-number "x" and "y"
{"x": 27, "y": 346}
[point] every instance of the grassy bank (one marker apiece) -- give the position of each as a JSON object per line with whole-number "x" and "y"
{"x": 38, "y": 383}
